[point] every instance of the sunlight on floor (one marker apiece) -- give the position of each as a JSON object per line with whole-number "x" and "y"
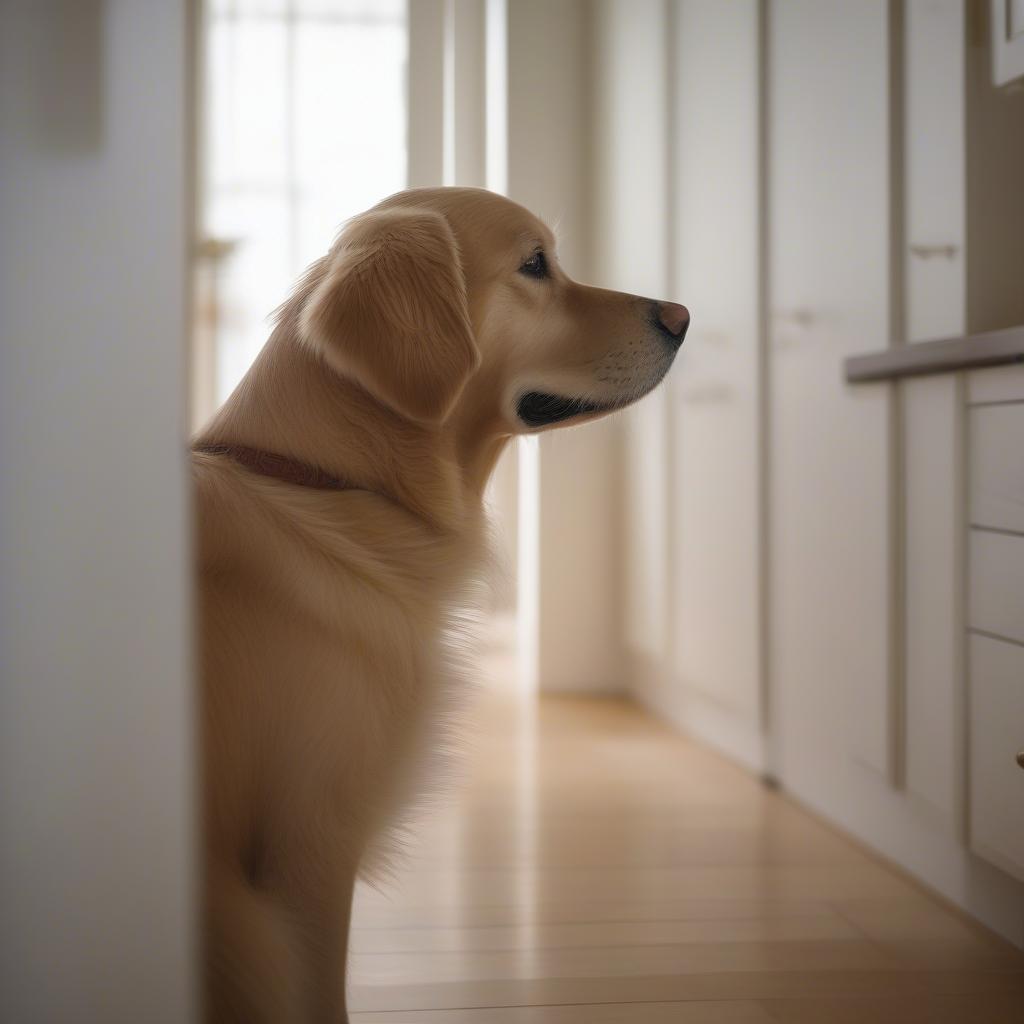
{"x": 593, "y": 866}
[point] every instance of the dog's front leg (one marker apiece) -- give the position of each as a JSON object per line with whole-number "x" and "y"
{"x": 254, "y": 964}
{"x": 318, "y": 893}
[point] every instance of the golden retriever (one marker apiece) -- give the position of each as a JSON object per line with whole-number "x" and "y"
{"x": 340, "y": 522}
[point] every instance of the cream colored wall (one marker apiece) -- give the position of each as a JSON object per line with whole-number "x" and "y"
{"x": 96, "y": 754}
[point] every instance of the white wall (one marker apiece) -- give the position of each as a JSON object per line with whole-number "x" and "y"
{"x": 96, "y": 877}
{"x": 549, "y": 172}
{"x": 630, "y": 160}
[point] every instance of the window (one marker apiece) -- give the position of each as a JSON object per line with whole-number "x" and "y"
{"x": 304, "y": 126}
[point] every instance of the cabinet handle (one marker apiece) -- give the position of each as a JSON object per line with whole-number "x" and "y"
{"x": 926, "y": 252}
{"x": 1020, "y": 758}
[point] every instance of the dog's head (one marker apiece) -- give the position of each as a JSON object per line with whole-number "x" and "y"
{"x": 450, "y": 305}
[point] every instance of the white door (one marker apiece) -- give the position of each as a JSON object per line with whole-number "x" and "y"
{"x": 934, "y": 286}
{"x": 828, "y": 298}
{"x": 715, "y": 392}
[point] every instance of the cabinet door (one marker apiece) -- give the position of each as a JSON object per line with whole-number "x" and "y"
{"x": 715, "y": 403}
{"x": 830, "y": 444}
{"x": 996, "y": 591}
{"x": 933, "y": 508}
{"x": 997, "y": 738}
{"x": 935, "y": 186}
{"x": 934, "y": 307}
{"x": 997, "y": 467}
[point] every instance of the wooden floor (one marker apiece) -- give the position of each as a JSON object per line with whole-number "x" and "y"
{"x": 595, "y": 867}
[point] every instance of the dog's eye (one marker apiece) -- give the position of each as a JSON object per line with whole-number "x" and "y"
{"x": 536, "y": 265}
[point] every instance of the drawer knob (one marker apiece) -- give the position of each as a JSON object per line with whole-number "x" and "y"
{"x": 1020, "y": 758}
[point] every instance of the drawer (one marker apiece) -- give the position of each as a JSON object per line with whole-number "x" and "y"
{"x": 996, "y": 460}
{"x": 996, "y": 738}
{"x": 996, "y": 384}
{"x": 996, "y": 596}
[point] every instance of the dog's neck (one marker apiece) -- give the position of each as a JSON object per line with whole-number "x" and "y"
{"x": 291, "y": 404}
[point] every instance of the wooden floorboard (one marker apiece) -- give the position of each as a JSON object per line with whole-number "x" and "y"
{"x": 593, "y": 866}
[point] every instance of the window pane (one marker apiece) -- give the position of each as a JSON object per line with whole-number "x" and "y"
{"x": 305, "y": 126}
{"x": 350, "y": 147}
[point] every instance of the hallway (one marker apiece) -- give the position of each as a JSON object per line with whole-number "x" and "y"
{"x": 592, "y": 866}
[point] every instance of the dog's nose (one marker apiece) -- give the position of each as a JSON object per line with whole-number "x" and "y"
{"x": 674, "y": 319}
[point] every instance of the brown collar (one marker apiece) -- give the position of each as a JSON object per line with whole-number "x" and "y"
{"x": 280, "y": 467}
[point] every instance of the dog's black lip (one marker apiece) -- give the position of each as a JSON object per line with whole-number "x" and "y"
{"x": 540, "y": 409}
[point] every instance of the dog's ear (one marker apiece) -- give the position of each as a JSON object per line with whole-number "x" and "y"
{"x": 390, "y": 312}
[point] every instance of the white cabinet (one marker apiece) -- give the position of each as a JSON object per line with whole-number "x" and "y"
{"x": 933, "y": 544}
{"x": 996, "y": 384}
{"x": 812, "y": 540}
{"x": 997, "y": 738}
{"x": 997, "y": 466}
{"x": 930, "y": 411}
{"x": 881, "y": 718}
{"x": 934, "y": 180}
{"x": 996, "y": 603}
{"x": 715, "y": 419}
{"x": 828, "y": 195}
{"x": 995, "y": 613}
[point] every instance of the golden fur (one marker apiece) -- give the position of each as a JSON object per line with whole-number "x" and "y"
{"x": 397, "y": 365}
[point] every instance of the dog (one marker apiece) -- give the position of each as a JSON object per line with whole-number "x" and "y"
{"x": 340, "y": 525}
